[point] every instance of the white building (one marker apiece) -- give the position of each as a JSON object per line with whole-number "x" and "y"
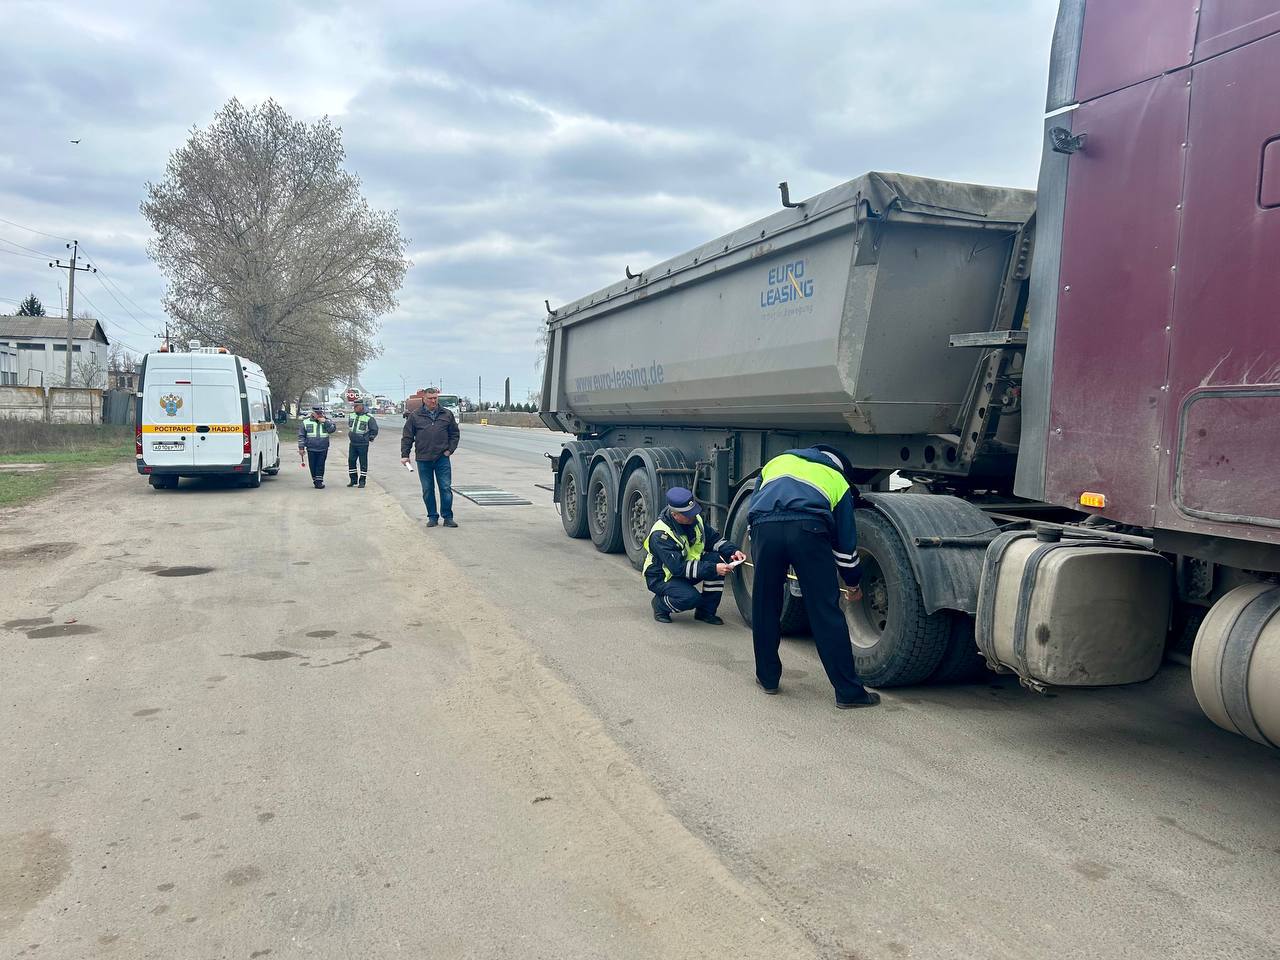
{"x": 40, "y": 346}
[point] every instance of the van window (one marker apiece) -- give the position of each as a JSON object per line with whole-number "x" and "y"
{"x": 257, "y": 408}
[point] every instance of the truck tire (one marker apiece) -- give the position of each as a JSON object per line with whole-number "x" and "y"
{"x": 961, "y": 662}
{"x": 896, "y": 642}
{"x": 254, "y": 480}
{"x": 638, "y": 513}
{"x": 603, "y": 521}
{"x": 573, "y": 499}
{"x": 795, "y": 619}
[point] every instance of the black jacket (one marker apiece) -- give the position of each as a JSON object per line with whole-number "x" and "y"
{"x": 429, "y": 436}
{"x": 668, "y": 552}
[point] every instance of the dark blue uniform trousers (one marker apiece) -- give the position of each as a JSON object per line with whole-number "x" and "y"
{"x": 679, "y": 594}
{"x": 804, "y": 545}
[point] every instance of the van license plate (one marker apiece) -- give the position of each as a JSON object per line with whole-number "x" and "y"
{"x": 168, "y": 445}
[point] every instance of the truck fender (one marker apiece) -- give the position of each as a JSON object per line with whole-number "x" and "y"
{"x": 651, "y": 460}
{"x": 613, "y": 458}
{"x": 945, "y": 539}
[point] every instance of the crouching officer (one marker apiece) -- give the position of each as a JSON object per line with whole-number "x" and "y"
{"x": 362, "y": 430}
{"x": 683, "y": 550}
{"x": 313, "y": 442}
{"x": 801, "y": 516}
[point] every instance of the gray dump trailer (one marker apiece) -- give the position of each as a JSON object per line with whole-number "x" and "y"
{"x": 883, "y": 317}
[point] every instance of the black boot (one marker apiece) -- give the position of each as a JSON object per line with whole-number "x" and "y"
{"x": 710, "y": 618}
{"x": 362, "y": 482}
{"x": 660, "y": 612}
{"x": 353, "y": 480}
{"x": 868, "y": 698}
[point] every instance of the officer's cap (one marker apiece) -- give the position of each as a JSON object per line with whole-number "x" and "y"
{"x": 681, "y": 500}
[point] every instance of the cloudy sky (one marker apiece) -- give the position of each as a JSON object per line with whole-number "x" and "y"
{"x": 531, "y": 150}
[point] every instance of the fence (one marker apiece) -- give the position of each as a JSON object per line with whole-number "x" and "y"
{"x": 511, "y": 419}
{"x": 57, "y": 405}
{"x": 118, "y": 406}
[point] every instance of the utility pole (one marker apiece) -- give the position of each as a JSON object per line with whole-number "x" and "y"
{"x": 72, "y": 270}
{"x": 166, "y": 344}
{"x": 506, "y": 402}
{"x": 480, "y": 391}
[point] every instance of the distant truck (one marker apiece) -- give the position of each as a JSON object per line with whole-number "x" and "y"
{"x": 1082, "y": 385}
{"x": 447, "y": 400}
{"x": 201, "y": 413}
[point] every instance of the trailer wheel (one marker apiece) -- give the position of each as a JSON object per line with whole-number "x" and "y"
{"x": 795, "y": 619}
{"x": 639, "y": 510}
{"x": 602, "y": 510}
{"x": 961, "y": 662}
{"x": 573, "y": 500}
{"x": 896, "y": 642}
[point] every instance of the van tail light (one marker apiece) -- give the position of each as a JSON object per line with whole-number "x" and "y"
{"x": 137, "y": 444}
{"x": 248, "y": 444}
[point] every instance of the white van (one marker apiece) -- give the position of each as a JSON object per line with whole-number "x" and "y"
{"x": 201, "y": 413}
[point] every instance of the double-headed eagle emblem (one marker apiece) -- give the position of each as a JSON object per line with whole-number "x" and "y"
{"x": 172, "y": 403}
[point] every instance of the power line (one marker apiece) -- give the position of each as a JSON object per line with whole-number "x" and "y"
{"x": 140, "y": 325}
{"x": 25, "y": 256}
{"x": 14, "y": 243}
{"x": 117, "y": 286}
{"x": 51, "y": 236}
{"x": 102, "y": 317}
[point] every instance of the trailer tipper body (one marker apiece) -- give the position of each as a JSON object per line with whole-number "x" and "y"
{"x": 1083, "y": 386}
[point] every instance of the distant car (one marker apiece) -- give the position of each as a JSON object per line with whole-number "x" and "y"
{"x": 339, "y": 415}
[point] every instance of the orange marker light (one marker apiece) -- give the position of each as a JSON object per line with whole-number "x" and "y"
{"x": 1098, "y": 500}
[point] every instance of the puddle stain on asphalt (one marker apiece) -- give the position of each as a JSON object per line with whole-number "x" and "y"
{"x": 32, "y": 865}
{"x": 182, "y": 571}
{"x": 266, "y": 655}
{"x": 358, "y": 655}
{"x": 61, "y": 630}
{"x": 26, "y": 624}
{"x": 41, "y": 552}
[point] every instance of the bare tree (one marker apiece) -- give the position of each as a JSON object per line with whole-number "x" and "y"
{"x": 89, "y": 372}
{"x": 271, "y": 250}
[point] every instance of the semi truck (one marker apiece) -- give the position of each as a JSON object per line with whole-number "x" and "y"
{"x": 1081, "y": 383}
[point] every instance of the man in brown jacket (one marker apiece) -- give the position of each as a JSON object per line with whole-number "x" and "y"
{"x": 433, "y": 433}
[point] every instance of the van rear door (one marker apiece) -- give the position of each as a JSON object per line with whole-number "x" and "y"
{"x": 219, "y": 416}
{"x": 167, "y": 425}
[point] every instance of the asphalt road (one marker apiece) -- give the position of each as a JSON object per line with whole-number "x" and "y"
{"x": 355, "y": 736}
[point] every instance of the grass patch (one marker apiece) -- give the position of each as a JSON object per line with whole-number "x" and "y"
{"x": 16, "y": 488}
{"x": 65, "y": 448}
{"x": 27, "y": 438}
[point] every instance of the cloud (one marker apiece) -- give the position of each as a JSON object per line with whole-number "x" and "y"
{"x": 531, "y": 150}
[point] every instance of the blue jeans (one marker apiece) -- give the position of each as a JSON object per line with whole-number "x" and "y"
{"x": 431, "y": 472}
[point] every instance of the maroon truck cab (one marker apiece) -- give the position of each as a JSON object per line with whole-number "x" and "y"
{"x": 1152, "y": 376}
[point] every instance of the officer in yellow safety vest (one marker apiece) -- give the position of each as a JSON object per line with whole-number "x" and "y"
{"x": 802, "y": 517}
{"x": 682, "y": 551}
{"x": 313, "y": 443}
{"x": 362, "y": 430}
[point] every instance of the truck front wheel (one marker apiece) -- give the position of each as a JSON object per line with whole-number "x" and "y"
{"x": 573, "y": 499}
{"x": 896, "y": 642}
